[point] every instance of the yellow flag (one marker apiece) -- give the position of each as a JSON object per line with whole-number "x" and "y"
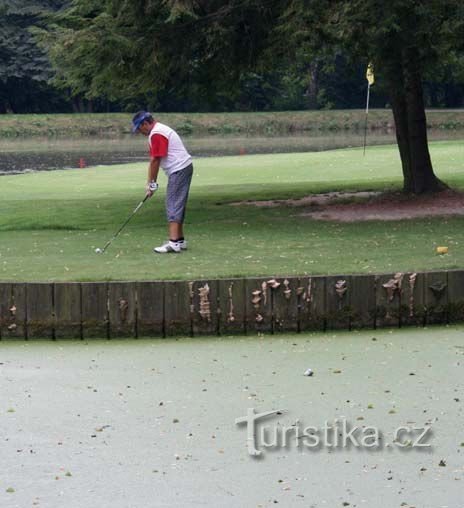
{"x": 370, "y": 74}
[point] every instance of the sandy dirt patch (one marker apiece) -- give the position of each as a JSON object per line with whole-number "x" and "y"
{"x": 367, "y": 206}
{"x": 311, "y": 200}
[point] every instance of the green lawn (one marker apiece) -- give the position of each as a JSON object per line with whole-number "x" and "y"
{"x": 50, "y": 223}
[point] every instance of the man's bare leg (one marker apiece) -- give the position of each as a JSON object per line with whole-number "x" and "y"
{"x": 176, "y": 231}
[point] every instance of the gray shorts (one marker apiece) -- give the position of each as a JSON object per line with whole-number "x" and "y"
{"x": 177, "y": 194}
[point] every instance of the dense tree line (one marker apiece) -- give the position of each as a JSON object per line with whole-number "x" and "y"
{"x": 98, "y": 65}
{"x": 24, "y": 68}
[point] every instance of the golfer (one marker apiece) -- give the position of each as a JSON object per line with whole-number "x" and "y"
{"x": 168, "y": 152}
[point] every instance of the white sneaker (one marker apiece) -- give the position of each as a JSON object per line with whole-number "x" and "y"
{"x": 168, "y": 247}
{"x": 183, "y": 244}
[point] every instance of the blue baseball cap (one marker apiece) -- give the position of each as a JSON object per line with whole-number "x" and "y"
{"x": 138, "y": 119}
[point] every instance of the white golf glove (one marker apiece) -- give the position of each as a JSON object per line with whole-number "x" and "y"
{"x": 152, "y": 186}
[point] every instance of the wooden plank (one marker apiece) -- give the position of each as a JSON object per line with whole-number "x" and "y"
{"x": 150, "y": 309}
{"x": 122, "y": 309}
{"x": 232, "y": 306}
{"x": 94, "y": 310}
{"x": 18, "y": 312}
{"x": 178, "y": 308}
{"x": 455, "y": 296}
{"x": 412, "y": 305}
{"x": 258, "y": 299}
{"x": 388, "y": 300}
{"x": 363, "y": 301}
{"x": 338, "y": 296}
{"x": 67, "y": 301}
{"x": 205, "y": 318}
{"x": 311, "y": 294}
{"x": 285, "y": 305}
{"x": 6, "y": 297}
{"x": 436, "y": 297}
{"x": 40, "y": 317}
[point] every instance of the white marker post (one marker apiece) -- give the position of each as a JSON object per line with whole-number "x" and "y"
{"x": 370, "y": 82}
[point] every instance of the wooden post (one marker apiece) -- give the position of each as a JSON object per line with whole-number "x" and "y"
{"x": 13, "y": 311}
{"x": 311, "y": 294}
{"x": 6, "y": 295}
{"x": 258, "y": 301}
{"x": 436, "y": 297}
{"x": 412, "y": 306}
{"x": 362, "y": 301}
{"x": 68, "y": 310}
{"x": 205, "y": 317}
{"x": 178, "y": 308}
{"x": 94, "y": 310}
{"x": 122, "y": 309}
{"x": 285, "y": 305}
{"x": 232, "y": 306}
{"x": 388, "y": 298}
{"x": 455, "y": 296}
{"x": 150, "y": 309}
{"x": 40, "y": 318}
{"x": 338, "y": 297}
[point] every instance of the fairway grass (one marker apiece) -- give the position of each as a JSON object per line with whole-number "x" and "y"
{"x": 51, "y": 222}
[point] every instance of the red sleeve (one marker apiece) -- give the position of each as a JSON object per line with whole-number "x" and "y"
{"x": 158, "y": 145}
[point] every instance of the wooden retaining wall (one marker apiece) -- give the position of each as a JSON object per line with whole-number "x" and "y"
{"x": 229, "y": 306}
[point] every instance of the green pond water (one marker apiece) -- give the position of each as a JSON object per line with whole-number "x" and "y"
{"x": 22, "y": 155}
{"x": 151, "y": 423}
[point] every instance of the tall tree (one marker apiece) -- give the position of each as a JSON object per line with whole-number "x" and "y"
{"x": 405, "y": 40}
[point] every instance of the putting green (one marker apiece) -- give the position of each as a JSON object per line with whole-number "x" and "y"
{"x": 152, "y": 422}
{"x": 51, "y": 223}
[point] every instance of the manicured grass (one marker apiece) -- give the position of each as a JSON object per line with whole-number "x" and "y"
{"x": 50, "y": 223}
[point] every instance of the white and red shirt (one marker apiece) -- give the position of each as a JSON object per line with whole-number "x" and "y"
{"x": 164, "y": 142}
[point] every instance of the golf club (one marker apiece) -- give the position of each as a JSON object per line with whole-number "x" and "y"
{"x": 108, "y": 243}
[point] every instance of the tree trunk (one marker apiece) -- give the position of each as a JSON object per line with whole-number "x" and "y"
{"x": 400, "y": 116}
{"x": 313, "y": 86}
{"x": 75, "y": 105}
{"x": 406, "y": 94}
{"x": 78, "y": 104}
{"x": 8, "y": 107}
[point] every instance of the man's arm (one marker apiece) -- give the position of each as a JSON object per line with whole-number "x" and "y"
{"x": 153, "y": 170}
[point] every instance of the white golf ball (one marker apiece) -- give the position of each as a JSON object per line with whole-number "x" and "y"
{"x": 98, "y": 250}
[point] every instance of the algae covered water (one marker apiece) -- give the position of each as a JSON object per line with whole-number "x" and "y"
{"x": 152, "y": 423}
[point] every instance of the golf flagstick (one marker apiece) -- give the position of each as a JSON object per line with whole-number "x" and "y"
{"x": 370, "y": 82}
{"x": 136, "y": 209}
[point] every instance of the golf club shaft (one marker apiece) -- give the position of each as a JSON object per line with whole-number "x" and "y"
{"x": 136, "y": 209}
